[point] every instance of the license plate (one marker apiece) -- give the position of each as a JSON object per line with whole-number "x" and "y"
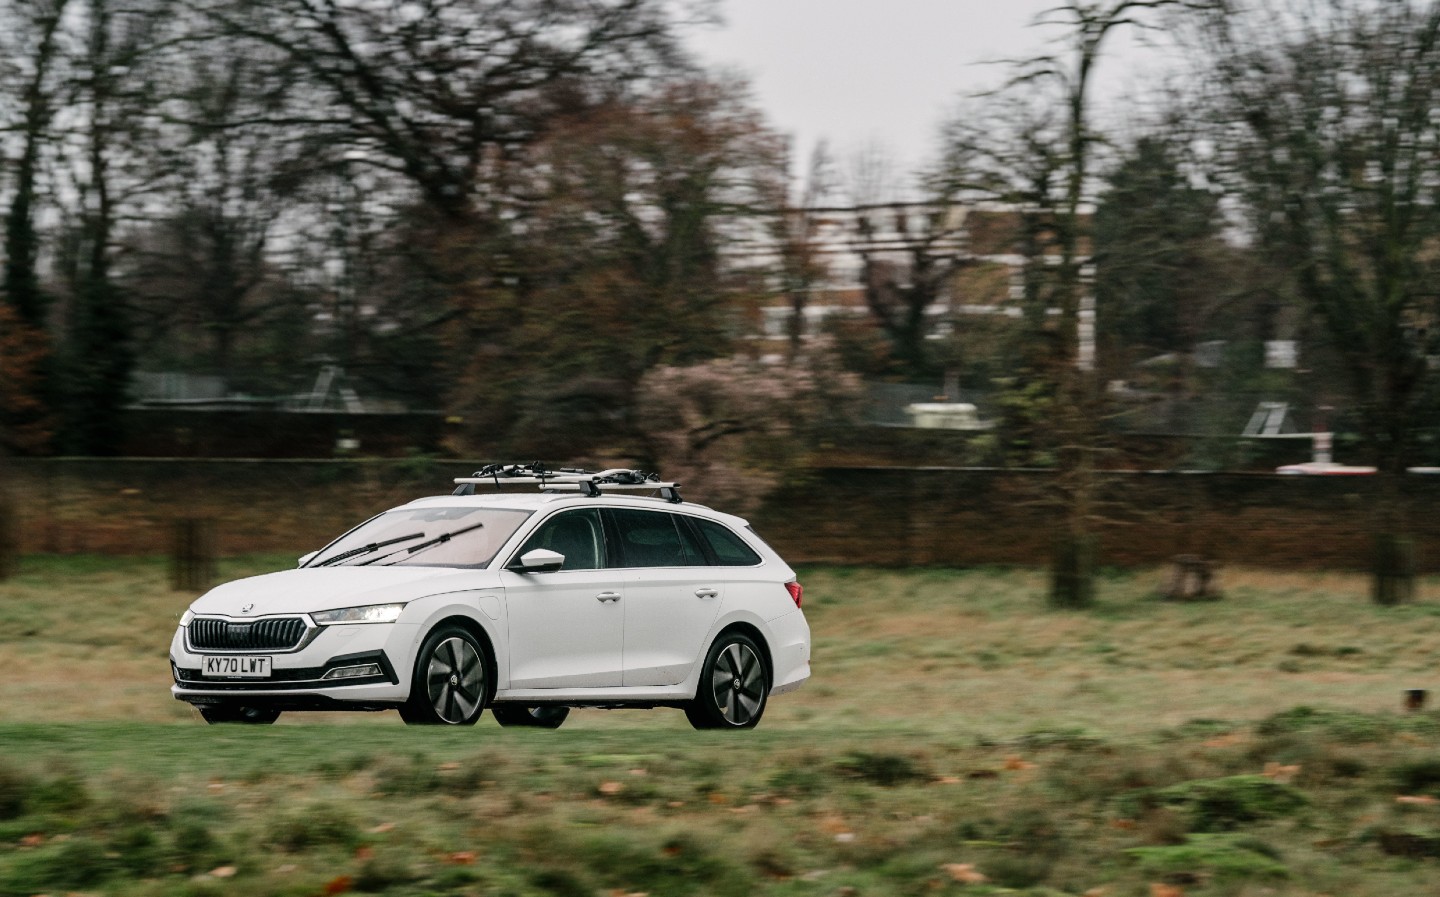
{"x": 238, "y": 667}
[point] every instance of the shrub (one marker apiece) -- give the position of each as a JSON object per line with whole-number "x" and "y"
{"x": 886, "y": 770}
{"x": 1419, "y": 777}
{"x": 707, "y": 423}
{"x": 15, "y": 788}
{"x": 1214, "y": 805}
{"x": 1229, "y": 857}
{"x": 314, "y": 826}
{"x": 1339, "y": 725}
{"x": 63, "y": 794}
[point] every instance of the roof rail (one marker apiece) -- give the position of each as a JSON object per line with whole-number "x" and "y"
{"x": 568, "y": 479}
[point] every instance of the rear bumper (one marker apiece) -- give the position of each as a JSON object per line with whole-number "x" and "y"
{"x": 790, "y": 652}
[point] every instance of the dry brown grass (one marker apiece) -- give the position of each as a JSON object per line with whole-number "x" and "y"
{"x": 971, "y": 653}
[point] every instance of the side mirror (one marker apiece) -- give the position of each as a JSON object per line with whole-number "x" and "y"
{"x": 539, "y": 560}
{"x": 306, "y": 558}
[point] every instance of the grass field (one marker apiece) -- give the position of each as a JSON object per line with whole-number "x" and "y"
{"x": 957, "y": 738}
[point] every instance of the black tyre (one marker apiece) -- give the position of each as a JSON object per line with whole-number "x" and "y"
{"x": 544, "y": 716}
{"x": 734, "y": 684}
{"x": 233, "y": 713}
{"x": 452, "y": 680}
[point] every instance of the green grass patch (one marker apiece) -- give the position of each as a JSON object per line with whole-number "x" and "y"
{"x": 956, "y": 729}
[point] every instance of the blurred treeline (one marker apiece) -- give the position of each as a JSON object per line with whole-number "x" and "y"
{"x": 527, "y": 213}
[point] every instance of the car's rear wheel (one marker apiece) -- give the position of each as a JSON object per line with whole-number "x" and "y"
{"x": 734, "y": 684}
{"x": 235, "y": 713}
{"x": 452, "y": 680}
{"x": 545, "y": 716}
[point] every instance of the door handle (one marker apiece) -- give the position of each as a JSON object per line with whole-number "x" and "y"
{"x": 705, "y": 593}
{"x": 607, "y": 596}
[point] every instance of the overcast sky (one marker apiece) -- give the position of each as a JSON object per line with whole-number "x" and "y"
{"x": 860, "y": 71}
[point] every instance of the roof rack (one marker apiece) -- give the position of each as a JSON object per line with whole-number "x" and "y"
{"x": 568, "y": 479}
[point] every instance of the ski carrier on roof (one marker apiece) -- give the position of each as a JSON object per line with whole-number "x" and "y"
{"x": 591, "y": 483}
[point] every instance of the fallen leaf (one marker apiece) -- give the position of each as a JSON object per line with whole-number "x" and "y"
{"x": 833, "y": 825}
{"x": 32, "y": 840}
{"x": 639, "y": 772}
{"x": 364, "y": 852}
{"x": 448, "y": 767}
{"x": 338, "y": 885}
{"x": 223, "y": 872}
{"x": 610, "y": 788}
{"x": 1281, "y": 774}
{"x": 1424, "y": 800}
{"x": 1229, "y": 739}
{"x": 717, "y": 798}
{"x": 948, "y": 780}
{"x": 462, "y": 858}
{"x": 382, "y": 828}
{"x": 965, "y": 873}
{"x": 1160, "y": 889}
{"x": 1095, "y": 892}
{"x": 1124, "y": 824}
{"x": 1016, "y": 764}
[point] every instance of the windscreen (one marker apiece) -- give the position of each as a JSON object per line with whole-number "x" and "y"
{"x": 427, "y": 537}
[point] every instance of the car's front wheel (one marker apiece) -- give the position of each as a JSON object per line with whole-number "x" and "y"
{"x": 232, "y": 713}
{"x": 452, "y": 680}
{"x": 734, "y": 684}
{"x": 538, "y": 717}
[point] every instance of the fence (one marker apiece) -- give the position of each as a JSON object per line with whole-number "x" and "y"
{"x": 885, "y": 516}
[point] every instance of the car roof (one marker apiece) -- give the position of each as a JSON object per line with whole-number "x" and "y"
{"x": 533, "y": 501}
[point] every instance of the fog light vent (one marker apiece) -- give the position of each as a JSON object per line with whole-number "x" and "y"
{"x": 355, "y": 672}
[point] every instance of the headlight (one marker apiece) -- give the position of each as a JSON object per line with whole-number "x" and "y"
{"x": 374, "y": 613}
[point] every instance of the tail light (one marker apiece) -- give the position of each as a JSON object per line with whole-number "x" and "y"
{"x": 796, "y": 591}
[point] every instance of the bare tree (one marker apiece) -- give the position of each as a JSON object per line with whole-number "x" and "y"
{"x": 796, "y": 228}
{"x": 117, "y": 50}
{"x": 31, "y": 43}
{"x": 1328, "y": 129}
{"x": 1045, "y": 168}
{"x": 438, "y": 90}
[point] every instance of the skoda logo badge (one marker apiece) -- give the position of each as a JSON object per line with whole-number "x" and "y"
{"x": 247, "y": 608}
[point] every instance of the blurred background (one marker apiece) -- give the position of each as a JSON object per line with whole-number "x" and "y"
{"x": 383, "y": 236}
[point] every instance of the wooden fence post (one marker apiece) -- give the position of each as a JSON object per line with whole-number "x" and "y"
{"x": 192, "y": 555}
{"x": 9, "y": 538}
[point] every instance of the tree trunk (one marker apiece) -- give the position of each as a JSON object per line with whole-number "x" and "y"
{"x": 9, "y": 537}
{"x": 1072, "y": 572}
{"x": 1394, "y": 569}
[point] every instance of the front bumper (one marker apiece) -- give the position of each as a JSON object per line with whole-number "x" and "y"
{"x": 296, "y": 679}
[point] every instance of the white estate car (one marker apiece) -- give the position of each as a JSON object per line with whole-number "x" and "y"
{"x": 527, "y": 602}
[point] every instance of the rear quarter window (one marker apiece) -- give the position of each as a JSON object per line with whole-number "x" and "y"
{"x": 729, "y": 549}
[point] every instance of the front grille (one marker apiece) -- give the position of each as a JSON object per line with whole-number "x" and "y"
{"x": 276, "y": 634}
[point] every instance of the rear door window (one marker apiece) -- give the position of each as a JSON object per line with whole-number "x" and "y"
{"x": 654, "y": 539}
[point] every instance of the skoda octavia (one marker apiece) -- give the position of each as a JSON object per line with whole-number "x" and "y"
{"x": 559, "y": 590}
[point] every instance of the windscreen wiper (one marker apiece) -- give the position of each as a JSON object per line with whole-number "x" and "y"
{"x": 430, "y": 543}
{"x": 366, "y": 549}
